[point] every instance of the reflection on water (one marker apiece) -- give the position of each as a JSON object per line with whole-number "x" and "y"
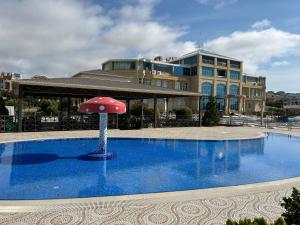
{"x": 55, "y": 169}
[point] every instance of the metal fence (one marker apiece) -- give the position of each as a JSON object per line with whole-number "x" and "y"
{"x": 91, "y": 122}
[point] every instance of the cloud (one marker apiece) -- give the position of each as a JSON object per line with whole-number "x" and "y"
{"x": 280, "y": 63}
{"x": 217, "y": 4}
{"x": 62, "y": 37}
{"x": 256, "y": 48}
{"x": 261, "y": 24}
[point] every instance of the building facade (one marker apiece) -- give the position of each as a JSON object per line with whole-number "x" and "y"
{"x": 200, "y": 71}
{"x": 6, "y": 79}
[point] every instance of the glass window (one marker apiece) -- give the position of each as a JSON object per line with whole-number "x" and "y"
{"x": 220, "y": 103}
{"x": 1, "y": 84}
{"x": 145, "y": 81}
{"x": 178, "y": 71}
{"x": 221, "y": 73}
{"x": 207, "y": 71}
{"x": 221, "y": 90}
{"x": 190, "y": 60}
{"x": 234, "y": 90}
{"x": 163, "y": 68}
{"x": 194, "y": 71}
{"x": 204, "y": 101}
{"x": 120, "y": 65}
{"x": 234, "y": 104}
{"x": 207, "y": 89}
{"x": 234, "y": 75}
{"x": 235, "y": 64}
{"x": 158, "y": 83}
{"x": 208, "y": 60}
{"x": 165, "y": 83}
{"x": 181, "y": 71}
{"x": 177, "y": 85}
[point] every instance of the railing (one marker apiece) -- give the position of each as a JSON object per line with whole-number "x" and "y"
{"x": 8, "y": 124}
{"x": 91, "y": 122}
{"x": 235, "y": 66}
{"x": 206, "y": 61}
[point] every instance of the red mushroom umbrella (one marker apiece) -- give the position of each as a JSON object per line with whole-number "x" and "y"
{"x": 103, "y": 106}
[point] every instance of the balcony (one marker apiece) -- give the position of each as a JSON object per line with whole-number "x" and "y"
{"x": 222, "y": 64}
{"x": 207, "y": 61}
{"x": 235, "y": 66}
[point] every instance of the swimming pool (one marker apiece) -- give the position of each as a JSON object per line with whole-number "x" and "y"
{"x": 50, "y": 169}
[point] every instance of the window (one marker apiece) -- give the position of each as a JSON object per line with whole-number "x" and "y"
{"x": 204, "y": 101}
{"x": 183, "y": 86}
{"x": 120, "y": 65}
{"x": 234, "y": 75}
{"x": 221, "y": 90}
{"x": 163, "y": 68}
{"x": 207, "y": 89}
{"x": 1, "y": 84}
{"x": 177, "y": 85}
{"x": 235, "y": 64}
{"x": 220, "y": 103}
{"x": 234, "y": 104}
{"x": 222, "y": 62}
{"x": 181, "y": 71}
{"x": 234, "y": 90}
{"x": 190, "y": 60}
{"x": 208, "y": 60}
{"x": 145, "y": 81}
{"x": 6, "y": 85}
{"x": 165, "y": 83}
{"x": 194, "y": 71}
{"x": 207, "y": 71}
{"x": 221, "y": 73}
{"x": 158, "y": 83}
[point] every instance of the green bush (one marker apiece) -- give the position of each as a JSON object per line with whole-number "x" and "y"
{"x": 183, "y": 113}
{"x": 211, "y": 116}
{"x": 136, "y": 110}
{"x": 292, "y": 208}
{"x": 256, "y": 221}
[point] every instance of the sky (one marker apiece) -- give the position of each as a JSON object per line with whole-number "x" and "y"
{"x": 62, "y": 37}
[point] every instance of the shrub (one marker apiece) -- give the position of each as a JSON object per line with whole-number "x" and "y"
{"x": 183, "y": 113}
{"x": 211, "y": 116}
{"x": 3, "y": 109}
{"x": 292, "y": 208}
{"x": 136, "y": 110}
{"x": 256, "y": 221}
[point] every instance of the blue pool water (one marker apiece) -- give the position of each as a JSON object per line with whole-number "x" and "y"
{"x": 59, "y": 168}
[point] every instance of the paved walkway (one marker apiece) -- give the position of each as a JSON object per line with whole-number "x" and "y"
{"x": 209, "y": 206}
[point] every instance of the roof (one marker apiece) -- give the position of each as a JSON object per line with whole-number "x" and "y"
{"x": 104, "y": 84}
{"x": 146, "y": 60}
{"x": 205, "y": 52}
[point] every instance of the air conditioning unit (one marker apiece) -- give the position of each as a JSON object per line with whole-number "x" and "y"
{"x": 158, "y": 72}
{"x": 153, "y": 72}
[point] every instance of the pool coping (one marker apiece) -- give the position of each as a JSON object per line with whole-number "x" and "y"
{"x": 9, "y": 206}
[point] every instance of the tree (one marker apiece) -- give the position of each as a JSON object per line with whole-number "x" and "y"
{"x": 48, "y": 107}
{"x": 211, "y": 116}
{"x": 183, "y": 113}
{"x": 3, "y": 109}
{"x": 292, "y": 208}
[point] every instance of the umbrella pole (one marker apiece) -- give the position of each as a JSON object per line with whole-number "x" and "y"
{"x": 102, "y": 133}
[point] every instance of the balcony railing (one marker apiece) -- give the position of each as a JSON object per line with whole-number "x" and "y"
{"x": 223, "y": 64}
{"x": 207, "y": 61}
{"x": 235, "y": 66}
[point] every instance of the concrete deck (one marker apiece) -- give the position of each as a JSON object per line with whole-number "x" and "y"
{"x": 206, "y": 206}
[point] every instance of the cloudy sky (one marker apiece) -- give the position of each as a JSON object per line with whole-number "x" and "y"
{"x": 62, "y": 37}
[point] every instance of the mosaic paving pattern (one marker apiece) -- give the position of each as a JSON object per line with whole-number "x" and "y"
{"x": 148, "y": 212}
